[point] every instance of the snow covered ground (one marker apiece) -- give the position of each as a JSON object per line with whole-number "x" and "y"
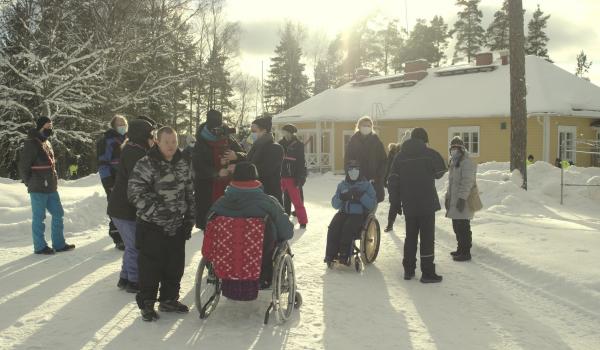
{"x": 534, "y": 282}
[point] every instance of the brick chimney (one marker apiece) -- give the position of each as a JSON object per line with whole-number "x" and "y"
{"x": 415, "y": 70}
{"x": 484, "y": 59}
{"x": 504, "y": 57}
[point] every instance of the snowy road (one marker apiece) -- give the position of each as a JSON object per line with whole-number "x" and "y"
{"x": 537, "y": 289}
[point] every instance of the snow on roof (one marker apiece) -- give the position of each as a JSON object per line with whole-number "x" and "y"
{"x": 551, "y": 90}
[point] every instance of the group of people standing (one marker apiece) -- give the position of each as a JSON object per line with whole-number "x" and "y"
{"x": 409, "y": 172}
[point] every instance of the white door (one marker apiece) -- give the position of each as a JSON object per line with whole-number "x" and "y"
{"x": 566, "y": 142}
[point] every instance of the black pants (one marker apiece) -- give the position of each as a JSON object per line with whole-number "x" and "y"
{"x": 287, "y": 202}
{"x": 161, "y": 260}
{"x": 266, "y": 269}
{"x": 462, "y": 230}
{"x": 392, "y": 214}
{"x": 342, "y": 231}
{"x": 112, "y": 229}
{"x": 423, "y": 226}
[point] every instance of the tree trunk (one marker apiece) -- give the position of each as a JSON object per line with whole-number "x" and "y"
{"x": 518, "y": 92}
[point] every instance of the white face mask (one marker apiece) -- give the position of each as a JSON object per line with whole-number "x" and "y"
{"x": 353, "y": 174}
{"x": 366, "y": 130}
{"x": 454, "y": 153}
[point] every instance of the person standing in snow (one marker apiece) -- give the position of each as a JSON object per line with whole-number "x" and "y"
{"x": 267, "y": 156}
{"x": 37, "y": 168}
{"x": 412, "y": 190}
{"x": 461, "y": 181}
{"x": 163, "y": 193}
{"x": 121, "y": 211}
{"x": 109, "y": 152}
{"x": 366, "y": 147}
{"x": 393, "y": 149}
{"x": 354, "y": 198}
{"x": 293, "y": 173}
{"x": 212, "y": 158}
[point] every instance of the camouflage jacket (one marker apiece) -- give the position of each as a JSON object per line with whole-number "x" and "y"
{"x": 162, "y": 191}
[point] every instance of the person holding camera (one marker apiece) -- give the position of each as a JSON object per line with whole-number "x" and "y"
{"x": 213, "y": 157}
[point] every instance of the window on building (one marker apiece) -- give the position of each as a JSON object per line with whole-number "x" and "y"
{"x": 566, "y": 142}
{"x": 469, "y": 135}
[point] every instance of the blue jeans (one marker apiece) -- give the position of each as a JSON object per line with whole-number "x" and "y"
{"x": 40, "y": 202}
{"x": 129, "y": 268}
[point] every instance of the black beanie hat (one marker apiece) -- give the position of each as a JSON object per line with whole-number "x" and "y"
{"x": 245, "y": 171}
{"x": 140, "y": 130}
{"x": 213, "y": 119}
{"x": 421, "y": 134}
{"x": 291, "y": 128}
{"x": 457, "y": 142}
{"x": 264, "y": 123}
{"x": 41, "y": 121}
{"x": 149, "y": 120}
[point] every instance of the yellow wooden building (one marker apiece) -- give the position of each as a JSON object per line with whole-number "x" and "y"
{"x": 472, "y": 101}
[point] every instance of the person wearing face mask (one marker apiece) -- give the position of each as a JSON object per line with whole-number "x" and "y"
{"x": 293, "y": 173}
{"x": 140, "y": 139}
{"x": 367, "y": 148}
{"x": 461, "y": 182}
{"x": 267, "y": 156}
{"x": 354, "y": 198}
{"x": 37, "y": 168}
{"x": 411, "y": 187}
{"x": 108, "y": 149}
{"x": 214, "y": 154}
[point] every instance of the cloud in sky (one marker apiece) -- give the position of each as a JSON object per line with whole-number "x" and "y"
{"x": 571, "y": 28}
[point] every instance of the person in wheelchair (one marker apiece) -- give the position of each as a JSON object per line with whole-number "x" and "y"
{"x": 245, "y": 197}
{"x": 354, "y": 198}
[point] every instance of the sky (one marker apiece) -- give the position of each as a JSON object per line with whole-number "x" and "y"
{"x": 573, "y": 24}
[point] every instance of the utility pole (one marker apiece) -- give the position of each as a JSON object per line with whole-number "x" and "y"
{"x": 518, "y": 90}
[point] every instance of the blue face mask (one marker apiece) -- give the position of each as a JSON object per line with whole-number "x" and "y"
{"x": 254, "y": 136}
{"x": 122, "y": 130}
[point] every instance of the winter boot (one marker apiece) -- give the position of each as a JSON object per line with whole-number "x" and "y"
{"x": 431, "y": 278}
{"x": 148, "y": 312}
{"x": 132, "y": 287}
{"x": 466, "y": 256}
{"x": 173, "y": 306}
{"x": 46, "y": 251}
{"x": 408, "y": 275}
{"x": 389, "y": 228}
{"x": 122, "y": 284}
{"x": 455, "y": 253}
{"x": 66, "y": 248}
{"x": 120, "y": 246}
{"x": 303, "y": 226}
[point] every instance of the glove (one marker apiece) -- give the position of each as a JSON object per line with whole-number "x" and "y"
{"x": 299, "y": 182}
{"x": 460, "y": 205}
{"x": 346, "y": 196}
{"x": 356, "y": 196}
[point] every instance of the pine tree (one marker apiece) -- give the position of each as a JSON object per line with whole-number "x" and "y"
{"x": 286, "y": 85}
{"x": 470, "y": 35}
{"x": 498, "y": 32}
{"x": 426, "y": 41}
{"x": 322, "y": 79}
{"x": 537, "y": 40}
{"x": 583, "y": 65}
{"x": 440, "y": 37}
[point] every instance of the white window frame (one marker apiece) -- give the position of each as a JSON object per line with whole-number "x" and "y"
{"x": 466, "y": 129}
{"x": 570, "y": 130}
{"x": 401, "y": 132}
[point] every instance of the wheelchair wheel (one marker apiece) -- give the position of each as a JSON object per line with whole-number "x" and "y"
{"x": 208, "y": 289}
{"x": 369, "y": 241}
{"x": 284, "y": 287}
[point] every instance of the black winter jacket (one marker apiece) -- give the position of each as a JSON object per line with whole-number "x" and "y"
{"x": 411, "y": 183}
{"x": 294, "y": 163}
{"x": 267, "y": 155}
{"x": 36, "y": 164}
{"x": 369, "y": 151}
{"x": 204, "y": 173}
{"x": 118, "y": 204}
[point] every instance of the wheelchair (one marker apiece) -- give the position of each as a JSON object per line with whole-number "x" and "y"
{"x": 367, "y": 249}
{"x": 284, "y": 295}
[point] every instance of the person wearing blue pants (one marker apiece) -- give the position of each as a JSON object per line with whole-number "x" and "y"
{"x": 38, "y": 172}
